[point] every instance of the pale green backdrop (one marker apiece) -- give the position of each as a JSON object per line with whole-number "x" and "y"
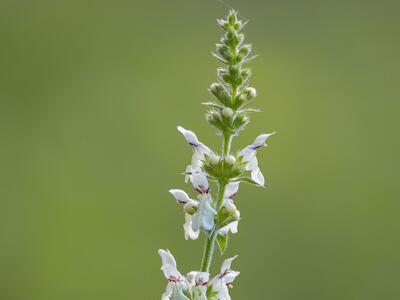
{"x": 90, "y": 94}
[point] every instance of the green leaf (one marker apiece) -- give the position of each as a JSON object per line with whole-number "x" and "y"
{"x": 211, "y": 294}
{"x": 247, "y": 180}
{"x": 222, "y": 242}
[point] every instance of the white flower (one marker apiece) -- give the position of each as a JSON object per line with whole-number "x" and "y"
{"x": 222, "y": 281}
{"x": 176, "y": 282}
{"x": 230, "y": 191}
{"x": 204, "y": 217}
{"x": 199, "y": 151}
{"x": 249, "y": 155}
{"x": 195, "y": 283}
{"x": 198, "y": 213}
{"x": 198, "y": 283}
{"x": 188, "y": 228}
{"x": 200, "y": 183}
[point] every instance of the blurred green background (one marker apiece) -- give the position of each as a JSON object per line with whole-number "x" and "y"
{"x": 91, "y": 93}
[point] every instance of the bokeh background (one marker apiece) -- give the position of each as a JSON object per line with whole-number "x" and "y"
{"x": 91, "y": 93}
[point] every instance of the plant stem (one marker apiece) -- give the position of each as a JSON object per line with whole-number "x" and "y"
{"x": 210, "y": 241}
{"x": 208, "y": 252}
{"x": 227, "y": 144}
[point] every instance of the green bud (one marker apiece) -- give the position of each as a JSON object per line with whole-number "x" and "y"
{"x": 240, "y": 122}
{"x": 251, "y": 93}
{"x": 214, "y": 118}
{"x": 220, "y": 93}
{"x": 234, "y": 72}
{"x": 232, "y": 17}
{"x": 214, "y": 159}
{"x": 240, "y": 99}
{"x": 244, "y": 51}
{"x": 238, "y": 25}
{"x": 232, "y": 39}
{"x": 227, "y": 112}
{"x": 230, "y": 159}
{"x": 225, "y": 52}
{"x": 224, "y": 75}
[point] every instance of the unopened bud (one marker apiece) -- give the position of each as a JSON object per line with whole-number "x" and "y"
{"x": 214, "y": 159}
{"x": 232, "y": 17}
{"x": 227, "y": 112}
{"x": 251, "y": 93}
{"x": 230, "y": 159}
{"x": 215, "y": 88}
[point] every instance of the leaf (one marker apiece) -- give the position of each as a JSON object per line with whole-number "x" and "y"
{"x": 211, "y": 294}
{"x": 247, "y": 180}
{"x": 222, "y": 242}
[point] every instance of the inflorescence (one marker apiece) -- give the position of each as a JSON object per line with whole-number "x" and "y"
{"x": 217, "y": 216}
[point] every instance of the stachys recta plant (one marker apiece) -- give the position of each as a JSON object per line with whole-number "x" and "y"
{"x": 215, "y": 214}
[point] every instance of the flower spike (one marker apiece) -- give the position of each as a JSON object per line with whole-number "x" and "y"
{"x": 215, "y": 177}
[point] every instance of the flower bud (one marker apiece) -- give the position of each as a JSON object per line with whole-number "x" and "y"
{"x": 230, "y": 159}
{"x": 232, "y": 17}
{"x": 214, "y": 159}
{"x": 214, "y": 118}
{"x": 251, "y": 93}
{"x": 234, "y": 72}
{"x": 232, "y": 39}
{"x": 220, "y": 93}
{"x": 240, "y": 122}
{"x": 214, "y": 88}
{"x": 245, "y": 74}
{"x": 225, "y": 52}
{"x": 227, "y": 112}
{"x": 245, "y": 50}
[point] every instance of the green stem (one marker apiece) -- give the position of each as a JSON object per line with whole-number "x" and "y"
{"x": 208, "y": 252}
{"x": 226, "y": 148}
{"x": 227, "y": 144}
{"x": 210, "y": 241}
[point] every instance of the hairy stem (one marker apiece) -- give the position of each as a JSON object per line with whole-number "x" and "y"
{"x": 208, "y": 252}
{"x": 210, "y": 241}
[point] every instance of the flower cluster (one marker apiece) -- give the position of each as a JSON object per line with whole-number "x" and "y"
{"x": 196, "y": 285}
{"x": 216, "y": 215}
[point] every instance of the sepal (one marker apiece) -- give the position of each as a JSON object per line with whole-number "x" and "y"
{"x": 222, "y": 242}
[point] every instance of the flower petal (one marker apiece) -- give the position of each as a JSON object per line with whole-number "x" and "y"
{"x": 169, "y": 265}
{"x": 204, "y": 217}
{"x": 257, "y": 176}
{"x": 232, "y": 227}
{"x": 261, "y": 139}
{"x": 189, "y": 232}
{"x": 200, "y": 183}
{"x": 231, "y": 189}
{"x": 180, "y": 196}
{"x": 189, "y": 136}
{"x": 258, "y": 142}
{"x": 226, "y": 266}
{"x": 230, "y": 277}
